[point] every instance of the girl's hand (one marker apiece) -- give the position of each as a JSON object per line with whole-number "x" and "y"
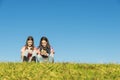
{"x": 41, "y": 53}
{"x": 45, "y": 54}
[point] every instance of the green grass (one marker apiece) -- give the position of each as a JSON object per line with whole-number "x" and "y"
{"x": 59, "y": 71}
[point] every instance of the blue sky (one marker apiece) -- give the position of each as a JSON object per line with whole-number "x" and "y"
{"x": 85, "y": 31}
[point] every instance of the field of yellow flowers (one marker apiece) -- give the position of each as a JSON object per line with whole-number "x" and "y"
{"x": 59, "y": 71}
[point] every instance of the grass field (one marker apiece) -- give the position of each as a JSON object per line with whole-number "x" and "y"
{"x": 59, "y": 71}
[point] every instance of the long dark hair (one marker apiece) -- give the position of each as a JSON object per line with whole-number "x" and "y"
{"x": 46, "y": 39}
{"x": 26, "y": 45}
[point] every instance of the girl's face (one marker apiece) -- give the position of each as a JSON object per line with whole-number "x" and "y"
{"x": 30, "y": 42}
{"x": 44, "y": 43}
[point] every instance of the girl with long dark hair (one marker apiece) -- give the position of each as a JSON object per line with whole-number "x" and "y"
{"x": 45, "y": 51}
{"x": 28, "y": 52}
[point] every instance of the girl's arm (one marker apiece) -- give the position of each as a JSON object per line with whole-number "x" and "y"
{"x": 52, "y": 52}
{"x": 38, "y": 51}
{"x": 22, "y": 52}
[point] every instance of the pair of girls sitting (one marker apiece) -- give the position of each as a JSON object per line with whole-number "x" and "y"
{"x": 44, "y": 52}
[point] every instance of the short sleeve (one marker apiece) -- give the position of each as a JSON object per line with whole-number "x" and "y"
{"x": 23, "y": 49}
{"x": 52, "y": 50}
